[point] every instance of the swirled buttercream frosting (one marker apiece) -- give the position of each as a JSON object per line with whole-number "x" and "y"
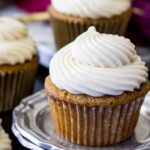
{"x": 15, "y": 44}
{"x": 92, "y": 9}
{"x": 98, "y": 64}
{"x": 5, "y": 142}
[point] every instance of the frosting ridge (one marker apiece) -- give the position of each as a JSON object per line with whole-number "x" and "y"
{"x": 94, "y": 9}
{"x": 15, "y": 44}
{"x": 11, "y": 29}
{"x": 98, "y": 64}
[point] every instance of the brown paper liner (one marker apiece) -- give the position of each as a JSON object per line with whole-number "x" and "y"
{"x": 16, "y": 82}
{"x": 94, "y": 126}
{"x": 67, "y": 28}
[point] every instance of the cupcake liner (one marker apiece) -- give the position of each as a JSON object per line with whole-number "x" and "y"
{"x": 94, "y": 126}
{"x": 67, "y": 28}
{"x": 16, "y": 84}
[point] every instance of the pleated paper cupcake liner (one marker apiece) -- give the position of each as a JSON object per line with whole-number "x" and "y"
{"x": 16, "y": 85}
{"x": 94, "y": 126}
{"x": 66, "y": 29}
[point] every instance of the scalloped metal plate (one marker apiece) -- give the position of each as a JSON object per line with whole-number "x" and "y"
{"x": 33, "y": 122}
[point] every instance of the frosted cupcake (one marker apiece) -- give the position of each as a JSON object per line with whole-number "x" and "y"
{"x": 70, "y": 18}
{"x": 18, "y": 63}
{"x": 96, "y": 88}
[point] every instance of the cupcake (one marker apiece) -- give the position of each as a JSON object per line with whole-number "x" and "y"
{"x": 18, "y": 63}
{"x": 5, "y": 142}
{"x": 70, "y": 18}
{"x": 96, "y": 88}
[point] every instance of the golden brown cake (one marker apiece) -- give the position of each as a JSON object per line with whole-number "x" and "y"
{"x": 96, "y": 88}
{"x": 67, "y": 24}
{"x": 16, "y": 82}
{"x": 94, "y": 121}
{"x": 18, "y": 63}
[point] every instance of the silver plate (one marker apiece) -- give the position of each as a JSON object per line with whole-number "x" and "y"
{"x": 26, "y": 143}
{"x": 33, "y": 122}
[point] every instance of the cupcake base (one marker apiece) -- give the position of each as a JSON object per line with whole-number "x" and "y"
{"x": 16, "y": 82}
{"x": 93, "y": 121}
{"x": 67, "y": 27}
{"x": 94, "y": 126}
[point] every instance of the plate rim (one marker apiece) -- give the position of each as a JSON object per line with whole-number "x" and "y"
{"x": 48, "y": 145}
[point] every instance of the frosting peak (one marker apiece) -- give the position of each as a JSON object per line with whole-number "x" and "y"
{"x": 15, "y": 44}
{"x": 98, "y": 64}
{"x": 94, "y": 49}
{"x": 94, "y": 9}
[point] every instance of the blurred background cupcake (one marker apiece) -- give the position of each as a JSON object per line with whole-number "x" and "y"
{"x": 18, "y": 63}
{"x": 70, "y": 18}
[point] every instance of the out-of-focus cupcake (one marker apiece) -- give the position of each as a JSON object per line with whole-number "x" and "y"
{"x": 96, "y": 88}
{"x": 70, "y": 18}
{"x": 18, "y": 63}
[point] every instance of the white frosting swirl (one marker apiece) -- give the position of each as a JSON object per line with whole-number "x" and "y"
{"x": 15, "y": 44}
{"x": 92, "y": 9}
{"x": 98, "y": 64}
{"x": 5, "y": 142}
{"x": 11, "y": 29}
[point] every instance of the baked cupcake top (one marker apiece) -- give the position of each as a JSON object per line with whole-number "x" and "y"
{"x": 98, "y": 64}
{"x": 92, "y": 9}
{"x": 5, "y": 142}
{"x": 16, "y": 46}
